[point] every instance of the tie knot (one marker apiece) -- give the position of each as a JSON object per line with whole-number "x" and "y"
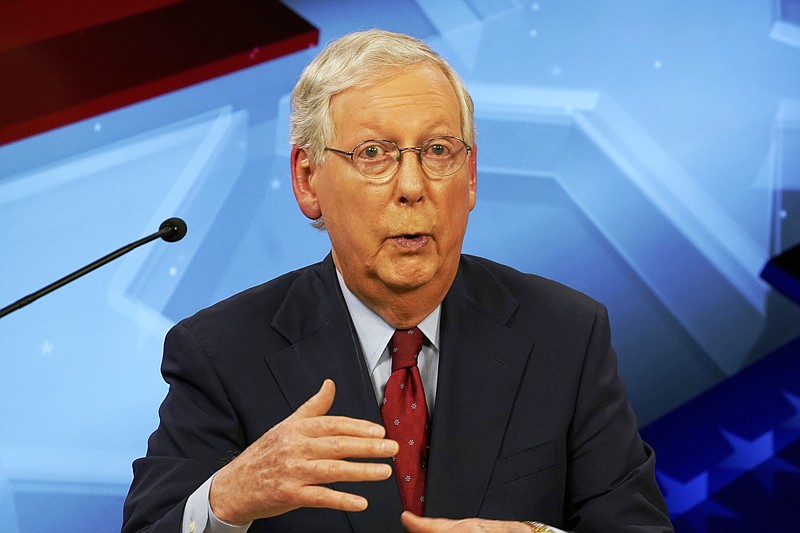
{"x": 406, "y": 344}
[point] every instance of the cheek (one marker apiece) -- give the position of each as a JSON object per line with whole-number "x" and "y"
{"x": 354, "y": 218}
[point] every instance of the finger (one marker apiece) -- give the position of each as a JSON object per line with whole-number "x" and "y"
{"x": 330, "y": 471}
{"x": 322, "y": 426}
{"x": 419, "y": 524}
{"x": 319, "y": 404}
{"x": 342, "y": 447}
{"x": 322, "y": 497}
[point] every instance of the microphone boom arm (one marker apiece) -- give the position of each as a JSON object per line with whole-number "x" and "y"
{"x": 171, "y": 230}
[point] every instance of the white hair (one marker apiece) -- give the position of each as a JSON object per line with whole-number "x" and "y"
{"x": 356, "y": 60}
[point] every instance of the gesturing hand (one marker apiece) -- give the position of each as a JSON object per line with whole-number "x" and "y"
{"x": 418, "y": 524}
{"x": 283, "y": 469}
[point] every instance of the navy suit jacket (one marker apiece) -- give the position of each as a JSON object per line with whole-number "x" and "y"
{"x": 531, "y": 420}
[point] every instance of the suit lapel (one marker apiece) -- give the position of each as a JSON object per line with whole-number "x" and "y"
{"x": 481, "y": 363}
{"x": 315, "y": 320}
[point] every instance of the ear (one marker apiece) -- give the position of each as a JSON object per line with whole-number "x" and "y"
{"x": 303, "y": 189}
{"x": 472, "y": 170}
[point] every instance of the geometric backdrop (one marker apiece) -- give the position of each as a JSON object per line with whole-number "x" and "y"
{"x": 647, "y": 154}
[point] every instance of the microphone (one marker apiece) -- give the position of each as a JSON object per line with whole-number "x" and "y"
{"x": 171, "y": 230}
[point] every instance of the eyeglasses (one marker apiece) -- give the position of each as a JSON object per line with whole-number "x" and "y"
{"x": 378, "y": 159}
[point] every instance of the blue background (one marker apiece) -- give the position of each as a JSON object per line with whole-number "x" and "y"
{"x": 646, "y": 153}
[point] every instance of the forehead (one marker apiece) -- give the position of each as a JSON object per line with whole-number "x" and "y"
{"x": 417, "y": 100}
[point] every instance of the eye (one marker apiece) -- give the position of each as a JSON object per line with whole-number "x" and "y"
{"x": 440, "y": 148}
{"x": 374, "y": 151}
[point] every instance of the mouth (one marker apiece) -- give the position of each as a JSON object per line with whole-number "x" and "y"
{"x": 411, "y": 240}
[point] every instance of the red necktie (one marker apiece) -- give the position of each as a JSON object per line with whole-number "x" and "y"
{"x": 405, "y": 416}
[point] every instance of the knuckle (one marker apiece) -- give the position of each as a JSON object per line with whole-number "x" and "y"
{"x": 339, "y": 445}
{"x": 333, "y": 471}
{"x": 319, "y": 498}
{"x": 328, "y": 424}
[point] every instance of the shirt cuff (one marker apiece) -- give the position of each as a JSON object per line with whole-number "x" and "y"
{"x": 199, "y": 518}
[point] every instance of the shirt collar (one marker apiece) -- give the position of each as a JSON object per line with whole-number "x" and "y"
{"x": 374, "y": 332}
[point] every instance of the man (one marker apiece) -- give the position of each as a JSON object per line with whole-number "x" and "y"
{"x": 281, "y": 397}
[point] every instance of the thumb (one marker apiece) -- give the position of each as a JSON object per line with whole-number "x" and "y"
{"x": 418, "y": 524}
{"x": 320, "y": 403}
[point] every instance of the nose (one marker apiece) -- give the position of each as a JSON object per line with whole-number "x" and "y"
{"x": 410, "y": 178}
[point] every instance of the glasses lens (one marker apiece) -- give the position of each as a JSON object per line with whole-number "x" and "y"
{"x": 443, "y": 156}
{"x": 376, "y": 159}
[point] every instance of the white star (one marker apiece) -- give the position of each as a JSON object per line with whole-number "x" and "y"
{"x": 47, "y": 347}
{"x": 275, "y": 184}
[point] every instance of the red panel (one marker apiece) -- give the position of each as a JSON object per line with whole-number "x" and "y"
{"x": 71, "y": 77}
{"x": 27, "y": 21}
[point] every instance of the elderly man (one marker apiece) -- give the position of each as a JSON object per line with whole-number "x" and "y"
{"x": 398, "y": 384}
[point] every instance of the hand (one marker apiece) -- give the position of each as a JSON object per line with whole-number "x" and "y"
{"x": 283, "y": 469}
{"x": 419, "y": 524}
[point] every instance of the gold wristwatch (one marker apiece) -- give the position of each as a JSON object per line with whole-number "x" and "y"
{"x": 538, "y": 527}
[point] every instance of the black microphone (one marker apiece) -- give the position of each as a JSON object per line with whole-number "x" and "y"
{"x": 171, "y": 230}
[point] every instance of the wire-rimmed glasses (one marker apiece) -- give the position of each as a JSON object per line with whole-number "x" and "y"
{"x": 378, "y": 159}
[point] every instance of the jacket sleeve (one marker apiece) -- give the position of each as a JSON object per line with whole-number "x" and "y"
{"x": 198, "y": 433}
{"x": 611, "y": 483}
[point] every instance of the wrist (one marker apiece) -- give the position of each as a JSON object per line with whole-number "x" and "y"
{"x": 217, "y": 507}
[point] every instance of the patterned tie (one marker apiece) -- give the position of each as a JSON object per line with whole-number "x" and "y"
{"x": 405, "y": 416}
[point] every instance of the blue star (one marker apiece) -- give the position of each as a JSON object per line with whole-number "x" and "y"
{"x": 681, "y": 497}
{"x": 766, "y": 472}
{"x": 748, "y": 454}
{"x": 793, "y": 422}
{"x": 699, "y": 515}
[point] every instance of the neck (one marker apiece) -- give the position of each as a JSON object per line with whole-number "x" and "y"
{"x": 402, "y": 309}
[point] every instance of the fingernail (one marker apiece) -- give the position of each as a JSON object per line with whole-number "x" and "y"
{"x": 359, "y": 503}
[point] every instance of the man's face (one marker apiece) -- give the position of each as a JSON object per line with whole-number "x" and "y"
{"x": 404, "y": 234}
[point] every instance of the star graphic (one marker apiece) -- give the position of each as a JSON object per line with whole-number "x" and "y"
{"x": 680, "y": 496}
{"x": 765, "y": 473}
{"x": 793, "y": 422}
{"x": 698, "y": 516}
{"x": 748, "y": 454}
{"x": 47, "y": 347}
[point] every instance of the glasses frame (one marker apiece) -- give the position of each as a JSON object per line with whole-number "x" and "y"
{"x": 399, "y": 158}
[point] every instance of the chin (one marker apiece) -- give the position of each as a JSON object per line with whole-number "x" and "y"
{"x": 408, "y": 278}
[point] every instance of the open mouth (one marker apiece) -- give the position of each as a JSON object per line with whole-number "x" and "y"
{"x": 411, "y": 240}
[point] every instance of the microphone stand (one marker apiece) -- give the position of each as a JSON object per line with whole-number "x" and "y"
{"x": 171, "y": 230}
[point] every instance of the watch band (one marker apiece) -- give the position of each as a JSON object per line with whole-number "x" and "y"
{"x": 538, "y": 527}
